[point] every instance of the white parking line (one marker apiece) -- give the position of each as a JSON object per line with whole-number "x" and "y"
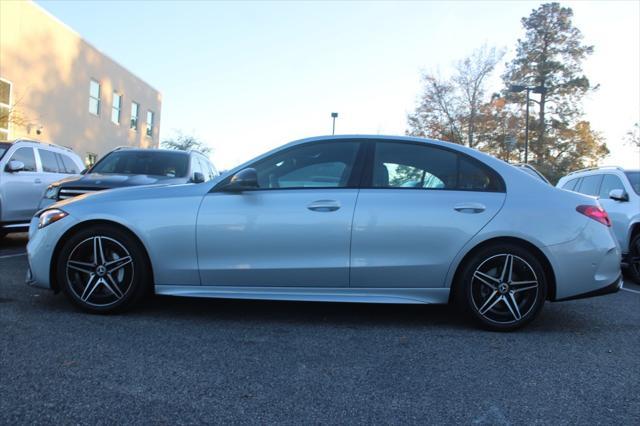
{"x": 12, "y": 255}
{"x": 628, "y": 289}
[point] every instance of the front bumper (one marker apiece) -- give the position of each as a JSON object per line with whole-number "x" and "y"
{"x": 41, "y": 250}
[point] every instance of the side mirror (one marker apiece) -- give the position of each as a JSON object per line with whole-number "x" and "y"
{"x": 244, "y": 179}
{"x": 618, "y": 195}
{"x": 14, "y": 166}
{"x": 197, "y": 177}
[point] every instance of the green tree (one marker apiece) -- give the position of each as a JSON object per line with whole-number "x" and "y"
{"x": 449, "y": 108}
{"x": 551, "y": 55}
{"x": 633, "y": 136}
{"x": 184, "y": 142}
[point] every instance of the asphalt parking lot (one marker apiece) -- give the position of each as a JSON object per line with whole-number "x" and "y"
{"x": 176, "y": 361}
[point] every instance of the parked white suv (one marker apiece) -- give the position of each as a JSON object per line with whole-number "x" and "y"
{"x": 619, "y": 193}
{"x": 26, "y": 170}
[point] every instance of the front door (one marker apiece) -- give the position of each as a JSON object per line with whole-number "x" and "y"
{"x": 422, "y": 204}
{"x": 22, "y": 190}
{"x": 294, "y": 230}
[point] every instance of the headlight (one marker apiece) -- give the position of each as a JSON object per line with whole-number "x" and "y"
{"x": 52, "y": 192}
{"x": 47, "y": 217}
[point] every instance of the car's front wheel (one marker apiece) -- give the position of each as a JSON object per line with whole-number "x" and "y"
{"x": 503, "y": 286}
{"x": 102, "y": 269}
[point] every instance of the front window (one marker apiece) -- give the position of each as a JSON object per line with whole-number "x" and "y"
{"x": 134, "y": 116}
{"x": 319, "y": 165}
{"x": 169, "y": 164}
{"x": 5, "y": 109}
{"x": 94, "y": 97}
{"x": 26, "y": 156}
{"x": 634, "y": 180}
{"x": 115, "y": 108}
{"x": 150, "y": 118}
{"x": 404, "y": 165}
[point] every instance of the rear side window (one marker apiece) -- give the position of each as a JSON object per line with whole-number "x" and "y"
{"x": 590, "y": 185}
{"x": 403, "y": 165}
{"x": 26, "y": 156}
{"x": 69, "y": 165}
{"x": 571, "y": 185}
{"x": 49, "y": 162}
{"x": 609, "y": 183}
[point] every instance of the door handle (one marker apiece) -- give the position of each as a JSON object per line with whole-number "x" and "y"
{"x": 37, "y": 180}
{"x": 469, "y": 208}
{"x": 324, "y": 206}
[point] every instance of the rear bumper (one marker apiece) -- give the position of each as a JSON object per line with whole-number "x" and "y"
{"x": 614, "y": 287}
{"x": 586, "y": 265}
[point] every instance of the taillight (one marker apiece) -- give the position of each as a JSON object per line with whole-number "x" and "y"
{"x": 595, "y": 213}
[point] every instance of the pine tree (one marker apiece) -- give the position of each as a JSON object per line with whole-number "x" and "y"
{"x": 551, "y": 55}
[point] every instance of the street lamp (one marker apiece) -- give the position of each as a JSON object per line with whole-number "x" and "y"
{"x": 517, "y": 88}
{"x": 334, "y": 115}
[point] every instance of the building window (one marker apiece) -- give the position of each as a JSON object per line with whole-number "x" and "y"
{"x": 94, "y": 97}
{"x": 5, "y": 109}
{"x": 150, "y": 118}
{"x": 134, "y": 116}
{"x": 90, "y": 159}
{"x": 116, "y": 105}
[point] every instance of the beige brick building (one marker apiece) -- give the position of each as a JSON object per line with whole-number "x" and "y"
{"x": 55, "y": 87}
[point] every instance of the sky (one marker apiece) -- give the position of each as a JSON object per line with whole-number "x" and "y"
{"x": 246, "y": 77}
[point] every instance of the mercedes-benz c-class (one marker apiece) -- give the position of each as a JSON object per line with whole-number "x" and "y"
{"x": 341, "y": 219}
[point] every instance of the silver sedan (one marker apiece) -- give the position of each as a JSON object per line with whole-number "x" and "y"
{"x": 340, "y": 219}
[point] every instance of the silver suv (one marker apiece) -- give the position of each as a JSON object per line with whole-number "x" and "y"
{"x": 619, "y": 193}
{"x": 26, "y": 170}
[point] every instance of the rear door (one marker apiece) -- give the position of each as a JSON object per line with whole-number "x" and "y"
{"x": 22, "y": 190}
{"x": 52, "y": 168}
{"x": 418, "y": 207}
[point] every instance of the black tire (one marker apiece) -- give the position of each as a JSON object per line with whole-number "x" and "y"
{"x": 633, "y": 265}
{"x": 486, "y": 294}
{"x": 93, "y": 270}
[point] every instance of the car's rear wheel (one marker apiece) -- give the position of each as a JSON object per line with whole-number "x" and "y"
{"x": 102, "y": 269}
{"x": 633, "y": 266}
{"x": 502, "y": 286}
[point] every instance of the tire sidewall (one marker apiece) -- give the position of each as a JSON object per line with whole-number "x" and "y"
{"x": 140, "y": 268}
{"x": 464, "y": 284}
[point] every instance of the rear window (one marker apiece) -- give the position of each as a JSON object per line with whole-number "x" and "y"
{"x": 590, "y": 185}
{"x": 634, "y": 180}
{"x": 571, "y": 185}
{"x": 69, "y": 165}
{"x": 4, "y": 147}
{"x": 169, "y": 164}
{"x": 49, "y": 162}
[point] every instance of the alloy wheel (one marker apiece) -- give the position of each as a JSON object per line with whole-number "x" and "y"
{"x": 99, "y": 271}
{"x": 634, "y": 258}
{"x": 504, "y": 288}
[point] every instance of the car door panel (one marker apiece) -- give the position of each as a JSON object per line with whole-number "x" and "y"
{"x": 296, "y": 237}
{"x": 22, "y": 190}
{"x": 407, "y": 238}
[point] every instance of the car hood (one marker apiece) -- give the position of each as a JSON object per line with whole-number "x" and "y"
{"x": 98, "y": 180}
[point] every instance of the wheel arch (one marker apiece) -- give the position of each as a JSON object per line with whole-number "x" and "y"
{"x": 89, "y": 223}
{"x": 539, "y": 254}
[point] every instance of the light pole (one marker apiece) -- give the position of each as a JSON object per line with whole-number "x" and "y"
{"x": 334, "y": 115}
{"x": 517, "y": 88}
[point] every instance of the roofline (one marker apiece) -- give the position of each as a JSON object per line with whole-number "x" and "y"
{"x": 55, "y": 18}
{"x": 588, "y": 169}
{"x": 41, "y": 143}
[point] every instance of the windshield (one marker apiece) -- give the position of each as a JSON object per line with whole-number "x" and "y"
{"x": 3, "y": 148}
{"x": 169, "y": 164}
{"x": 634, "y": 180}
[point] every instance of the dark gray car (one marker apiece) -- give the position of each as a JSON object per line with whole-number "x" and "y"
{"x": 124, "y": 167}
